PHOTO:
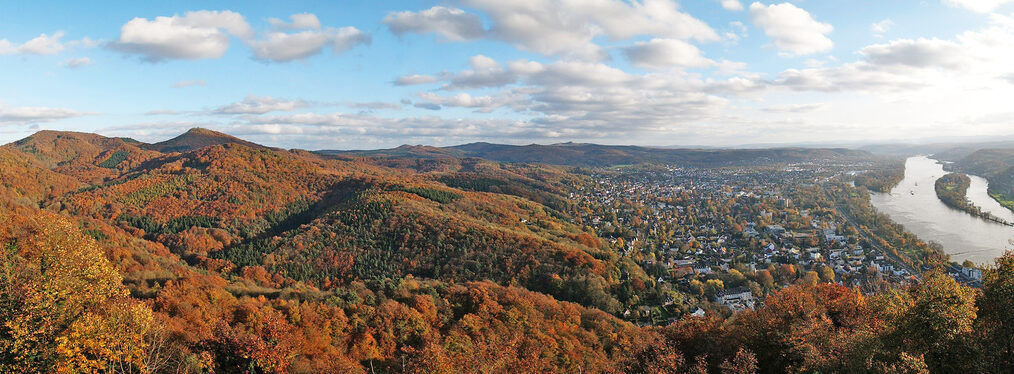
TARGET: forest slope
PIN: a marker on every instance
(237, 258)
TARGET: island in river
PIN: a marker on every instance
(913, 203)
(952, 190)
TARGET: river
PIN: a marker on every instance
(914, 204)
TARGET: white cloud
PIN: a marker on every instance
(414, 79)
(575, 99)
(484, 104)
(32, 115)
(75, 63)
(163, 112)
(731, 5)
(792, 29)
(254, 104)
(85, 42)
(485, 72)
(792, 108)
(307, 39)
(451, 23)
(665, 53)
(427, 106)
(195, 35)
(981, 6)
(916, 53)
(590, 99)
(205, 35)
(880, 28)
(299, 21)
(737, 30)
(346, 38)
(376, 105)
(44, 44)
(565, 28)
(855, 77)
(188, 83)
(972, 61)
(285, 47)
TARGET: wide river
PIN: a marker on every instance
(914, 204)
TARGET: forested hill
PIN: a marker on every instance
(197, 138)
(996, 165)
(595, 155)
(209, 254)
(220, 255)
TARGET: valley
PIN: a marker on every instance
(287, 259)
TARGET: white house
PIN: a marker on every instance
(736, 299)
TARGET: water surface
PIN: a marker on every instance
(914, 204)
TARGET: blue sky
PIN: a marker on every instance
(368, 74)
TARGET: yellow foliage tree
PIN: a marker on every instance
(63, 306)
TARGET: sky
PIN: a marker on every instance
(377, 74)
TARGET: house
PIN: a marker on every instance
(736, 299)
(702, 268)
(774, 229)
(699, 313)
(972, 273)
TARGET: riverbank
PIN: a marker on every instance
(914, 204)
(952, 190)
(1004, 200)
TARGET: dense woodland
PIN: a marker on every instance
(224, 257)
(883, 178)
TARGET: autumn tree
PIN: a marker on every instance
(996, 314)
(63, 307)
(939, 323)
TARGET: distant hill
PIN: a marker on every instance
(997, 166)
(987, 162)
(197, 138)
(940, 151)
(55, 148)
(25, 180)
(596, 155)
(86, 157)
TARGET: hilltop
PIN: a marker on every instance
(197, 138)
(86, 157)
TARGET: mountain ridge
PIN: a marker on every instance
(566, 153)
(197, 138)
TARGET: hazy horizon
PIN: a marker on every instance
(946, 142)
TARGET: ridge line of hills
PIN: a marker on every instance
(570, 154)
(221, 255)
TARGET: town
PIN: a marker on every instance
(720, 239)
